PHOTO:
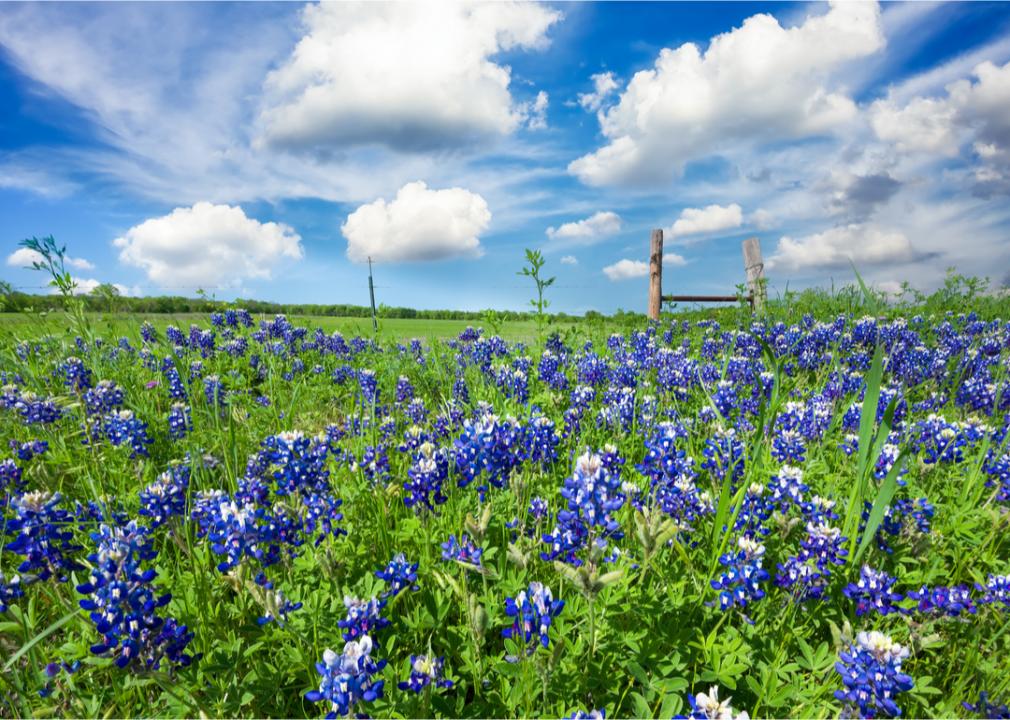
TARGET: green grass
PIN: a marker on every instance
(28, 325)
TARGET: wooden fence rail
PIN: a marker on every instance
(753, 266)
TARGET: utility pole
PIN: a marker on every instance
(371, 293)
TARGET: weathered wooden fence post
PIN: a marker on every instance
(655, 274)
(755, 268)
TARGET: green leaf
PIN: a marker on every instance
(880, 505)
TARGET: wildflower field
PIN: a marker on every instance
(788, 515)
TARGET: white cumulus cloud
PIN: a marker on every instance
(418, 224)
(207, 246)
(410, 76)
(534, 112)
(924, 124)
(859, 243)
(604, 85)
(24, 257)
(758, 82)
(569, 260)
(588, 229)
(626, 269)
(709, 219)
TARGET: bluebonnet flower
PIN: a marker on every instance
(322, 515)
(755, 509)
(819, 510)
(214, 392)
(787, 487)
(943, 600)
(11, 482)
(533, 611)
(123, 603)
(460, 392)
(398, 575)
(593, 494)
(125, 428)
(232, 528)
(464, 551)
(724, 454)
(34, 410)
(374, 465)
(179, 421)
(538, 508)
(165, 498)
(147, 332)
(42, 535)
(76, 375)
(941, 441)
(551, 372)
(348, 679)
(724, 398)
(10, 590)
(31, 449)
(174, 335)
(424, 479)
(888, 456)
(176, 388)
(541, 440)
(103, 398)
(707, 706)
(293, 461)
(513, 382)
(600, 714)
(740, 584)
(618, 410)
(788, 447)
(995, 591)
(416, 411)
(404, 390)
(806, 574)
(998, 471)
(363, 617)
(369, 386)
(566, 540)
(986, 708)
(871, 673)
(488, 448)
(873, 592)
(425, 670)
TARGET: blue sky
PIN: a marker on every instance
(265, 150)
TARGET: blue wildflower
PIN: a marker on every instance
(363, 617)
(740, 584)
(871, 673)
(42, 536)
(873, 592)
(986, 708)
(533, 611)
(123, 603)
(425, 670)
(179, 421)
(464, 551)
(349, 678)
(398, 575)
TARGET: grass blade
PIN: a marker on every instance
(880, 505)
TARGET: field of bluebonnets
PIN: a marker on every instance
(799, 514)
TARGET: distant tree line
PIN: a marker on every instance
(105, 298)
